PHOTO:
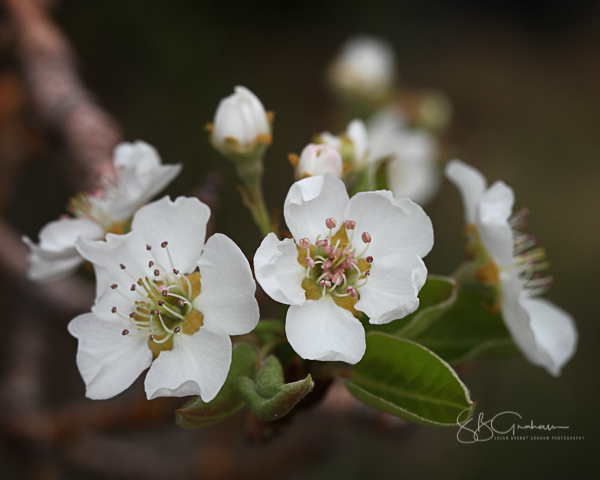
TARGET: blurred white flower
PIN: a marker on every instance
(365, 67)
(319, 159)
(140, 176)
(240, 123)
(545, 334)
(347, 256)
(412, 169)
(154, 308)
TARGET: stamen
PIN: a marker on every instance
(122, 266)
(366, 237)
(114, 285)
(322, 243)
(150, 264)
(113, 309)
(175, 271)
(156, 272)
(330, 223)
(350, 224)
(160, 341)
(310, 262)
(125, 332)
(177, 330)
(133, 287)
(164, 244)
(351, 291)
(148, 247)
(369, 259)
(304, 243)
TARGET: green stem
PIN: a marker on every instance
(252, 173)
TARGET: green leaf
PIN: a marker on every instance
(437, 296)
(269, 397)
(468, 329)
(404, 379)
(196, 413)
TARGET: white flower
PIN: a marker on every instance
(319, 159)
(412, 170)
(357, 138)
(347, 256)
(152, 304)
(365, 66)
(140, 176)
(240, 123)
(544, 333)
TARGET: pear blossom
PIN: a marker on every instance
(365, 67)
(240, 124)
(514, 262)
(412, 170)
(353, 143)
(347, 256)
(140, 176)
(319, 159)
(165, 300)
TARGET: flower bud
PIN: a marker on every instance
(241, 124)
(352, 144)
(365, 68)
(318, 160)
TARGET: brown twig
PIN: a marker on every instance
(58, 96)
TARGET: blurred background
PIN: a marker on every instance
(524, 80)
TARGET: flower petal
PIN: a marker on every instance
(107, 257)
(357, 132)
(519, 322)
(197, 365)
(56, 256)
(182, 223)
(392, 289)
(395, 225)
(471, 184)
(495, 208)
(278, 271)
(554, 330)
(227, 288)
(141, 177)
(108, 361)
(320, 330)
(413, 172)
(310, 202)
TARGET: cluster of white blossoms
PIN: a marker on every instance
(347, 256)
(168, 301)
(140, 176)
(545, 334)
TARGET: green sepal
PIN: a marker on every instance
(436, 297)
(196, 413)
(471, 327)
(270, 398)
(407, 380)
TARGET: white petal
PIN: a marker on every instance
(227, 288)
(197, 365)
(107, 257)
(56, 256)
(357, 132)
(413, 171)
(471, 184)
(278, 271)
(141, 177)
(554, 331)
(108, 361)
(395, 225)
(495, 208)
(518, 321)
(182, 223)
(320, 330)
(392, 289)
(310, 202)
(383, 128)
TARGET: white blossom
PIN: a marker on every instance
(365, 67)
(411, 155)
(347, 256)
(319, 159)
(140, 176)
(240, 122)
(154, 309)
(356, 136)
(545, 334)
